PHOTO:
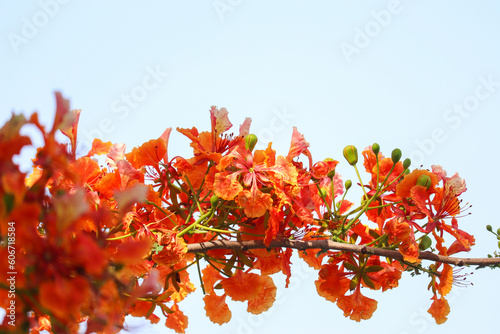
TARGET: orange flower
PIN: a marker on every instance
(148, 154)
(131, 251)
(254, 201)
(243, 286)
(265, 298)
(439, 309)
(216, 308)
(210, 277)
(403, 189)
(299, 146)
(400, 232)
(356, 306)
(173, 251)
(177, 320)
(384, 167)
(332, 283)
(65, 297)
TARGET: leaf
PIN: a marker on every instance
(243, 258)
(372, 269)
(367, 280)
(351, 266)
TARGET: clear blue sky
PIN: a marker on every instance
(422, 76)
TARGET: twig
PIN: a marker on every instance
(329, 244)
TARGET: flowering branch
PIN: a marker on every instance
(329, 244)
(95, 243)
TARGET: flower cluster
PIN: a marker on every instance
(99, 242)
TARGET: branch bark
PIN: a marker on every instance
(329, 244)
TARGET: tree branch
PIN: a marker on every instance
(329, 244)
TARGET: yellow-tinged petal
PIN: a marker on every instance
(445, 280)
(243, 286)
(227, 186)
(265, 298)
(255, 203)
(356, 306)
(177, 320)
(217, 309)
(439, 310)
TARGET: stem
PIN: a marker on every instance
(361, 181)
(161, 209)
(329, 244)
(199, 273)
(195, 224)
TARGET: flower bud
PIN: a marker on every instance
(424, 180)
(348, 184)
(396, 155)
(331, 174)
(376, 148)
(214, 200)
(406, 163)
(425, 242)
(351, 154)
(250, 141)
(489, 228)
(322, 193)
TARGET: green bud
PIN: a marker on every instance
(396, 155)
(406, 163)
(348, 184)
(331, 174)
(250, 141)
(351, 154)
(489, 228)
(322, 192)
(425, 181)
(214, 200)
(376, 148)
(498, 231)
(425, 242)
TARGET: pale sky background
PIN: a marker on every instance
(423, 76)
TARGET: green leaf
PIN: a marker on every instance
(166, 311)
(245, 259)
(367, 280)
(373, 269)
(229, 265)
(151, 309)
(354, 283)
(351, 266)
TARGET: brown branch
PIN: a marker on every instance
(329, 244)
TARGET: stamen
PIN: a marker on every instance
(460, 280)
